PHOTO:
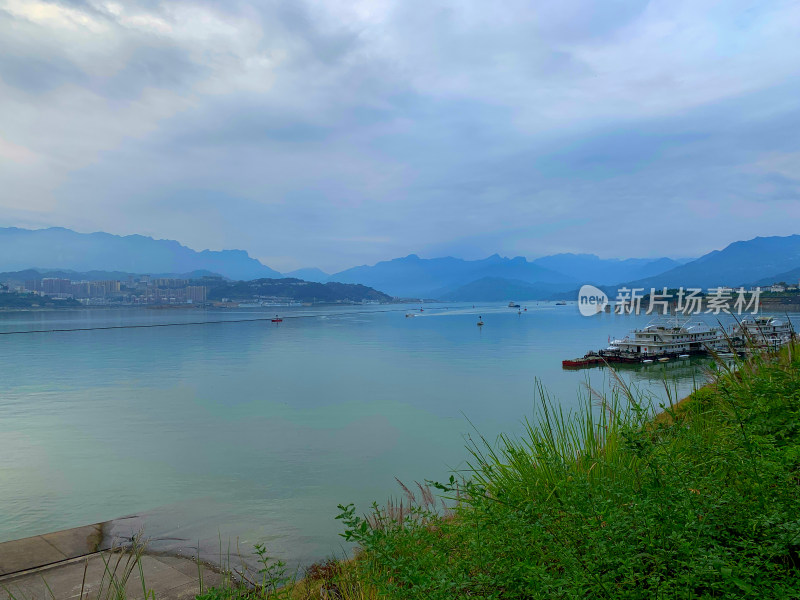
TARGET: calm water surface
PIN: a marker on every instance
(256, 431)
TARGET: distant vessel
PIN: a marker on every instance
(480, 321)
(561, 303)
(512, 305)
(277, 319)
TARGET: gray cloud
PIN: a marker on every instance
(344, 133)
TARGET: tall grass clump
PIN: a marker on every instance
(610, 502)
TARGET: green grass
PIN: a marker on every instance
(610, 502)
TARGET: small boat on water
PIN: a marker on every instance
(647, 360)
(663, 359)
(683, 356)
(589, 360)
(277, 319)
(480, 321)
(410, 315)
(512, 305)
(561, 303)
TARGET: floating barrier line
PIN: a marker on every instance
(151, 325)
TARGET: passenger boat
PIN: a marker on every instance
(513, 305)
(661, 340)
(666, 338)
(764, 331)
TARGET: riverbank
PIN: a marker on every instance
(700, 502)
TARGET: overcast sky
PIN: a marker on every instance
(336, 133)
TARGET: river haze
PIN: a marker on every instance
(256, 431)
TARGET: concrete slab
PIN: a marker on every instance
(67, 564)
(79, 541)
(27, 553)
(165, 576)
(41, 550)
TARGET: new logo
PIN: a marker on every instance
(591, 300)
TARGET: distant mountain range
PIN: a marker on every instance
(58, 248)
(413, 276)
(761, 260)
(588, 268)
(456, 279)
(62, 252)
(36, 274)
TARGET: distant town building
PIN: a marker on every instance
(134, 290)
(196, 293)
(55, 285)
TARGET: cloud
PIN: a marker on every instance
(341, 133)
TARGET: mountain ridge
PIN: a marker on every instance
(739, 263)
(64, 249)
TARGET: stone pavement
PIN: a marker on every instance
(57, 566)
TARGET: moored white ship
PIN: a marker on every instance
(765, 331)
(667, 338)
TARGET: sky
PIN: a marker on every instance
(337, 133)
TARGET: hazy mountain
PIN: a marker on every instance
(57, 248)
(790, 277)
(35, 274)
(309, 274)
(589, 268)
(491, 289)
(739, 263)
(416, 277)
